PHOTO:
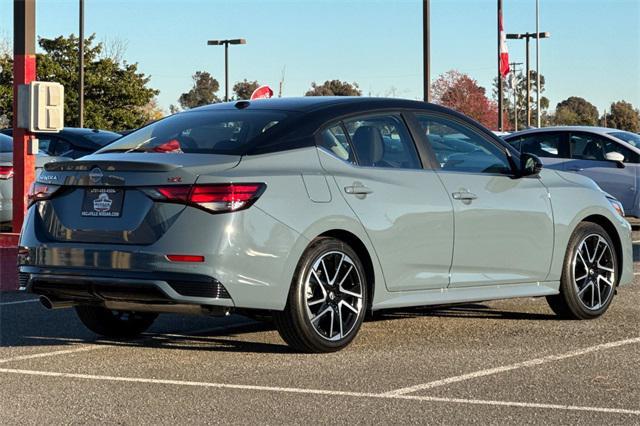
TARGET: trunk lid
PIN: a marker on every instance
(101, 199)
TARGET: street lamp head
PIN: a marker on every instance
(544, 35)
(515, 36)
(231, 41)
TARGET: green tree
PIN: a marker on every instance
(116, 94)
(334, 88)
(203, 91)
(576, 111)
(243, 89)
(516, 87)
(6, 89)
(623, 116)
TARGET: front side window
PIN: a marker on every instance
(382, 141)
(458, 148)
(540, 144)
(202, 132)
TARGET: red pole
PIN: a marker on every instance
(24, 72)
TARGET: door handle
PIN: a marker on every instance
(357, 190)
(464, 196)
(576, 169)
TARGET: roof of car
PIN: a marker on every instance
(310, 103)
(592, 129)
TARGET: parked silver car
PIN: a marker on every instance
(611, 157)
(315, 211)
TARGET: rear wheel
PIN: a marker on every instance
(118, 324)
(327, 301)
(589, 276)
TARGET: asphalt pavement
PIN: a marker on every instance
(500, 362)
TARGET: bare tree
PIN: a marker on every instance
(114, 48)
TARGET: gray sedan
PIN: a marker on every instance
(610, 157)
(315, 211)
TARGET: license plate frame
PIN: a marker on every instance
(102, 203)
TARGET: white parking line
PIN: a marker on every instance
(54, 353)
(17, 302)
(318, 391)
(523, 364)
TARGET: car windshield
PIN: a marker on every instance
(628, 137)
(6, 143)
(201, 132)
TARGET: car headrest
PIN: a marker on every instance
(368, 144)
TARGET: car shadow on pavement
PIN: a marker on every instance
(475, 311)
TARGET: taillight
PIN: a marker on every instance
(6, 172)
(215, 198)
(41, 191)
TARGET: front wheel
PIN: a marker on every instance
(589, 276)
(116, 324)
(327, 301)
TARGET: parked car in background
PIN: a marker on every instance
(72, 142)
(610, 157)
(69, 144)
(314, 211)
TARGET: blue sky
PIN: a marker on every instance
(593, 52)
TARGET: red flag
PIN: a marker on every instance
(262, 92)
(504, 53)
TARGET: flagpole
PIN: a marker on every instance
(499, 75)
(537, 64)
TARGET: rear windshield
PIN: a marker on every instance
(202, 132)
(102, 138)
(6, 143)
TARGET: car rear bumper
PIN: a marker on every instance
(108, 287)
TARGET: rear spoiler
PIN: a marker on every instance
(109, 166)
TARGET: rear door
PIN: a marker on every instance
(588, 158)
(503, 225)
(402, 206)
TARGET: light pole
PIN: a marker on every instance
(226, 44)
(527, 37)
(426, 45)
(537, 64)
(81, 67)
(514, 87)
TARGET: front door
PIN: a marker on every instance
(403, 207)
(503, 225)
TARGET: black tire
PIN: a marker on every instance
(114, 324)
(295, 325)
(570, 303)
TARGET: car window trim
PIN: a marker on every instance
(504, 150)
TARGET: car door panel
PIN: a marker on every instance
(408, 217)
(403, 207)
(504, 234)
(503, 225)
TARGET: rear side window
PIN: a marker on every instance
(202, 132)
(382, 141)
(336, 142)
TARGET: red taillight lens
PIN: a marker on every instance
(185, 258)
(215, 198)
(41, 191)
(6, 172)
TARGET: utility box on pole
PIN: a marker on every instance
(41, 107)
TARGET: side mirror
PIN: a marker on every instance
(530, 165)
(617, 157)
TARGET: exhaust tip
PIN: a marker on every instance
(44, 300)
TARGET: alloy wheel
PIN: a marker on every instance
(594, 272)
(333, 290)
